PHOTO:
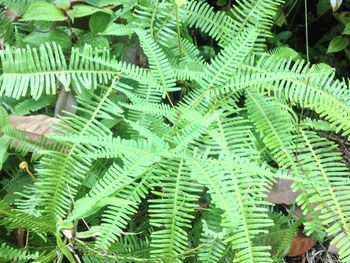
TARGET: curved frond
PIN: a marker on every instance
(329, 185)
(171, 211)
(60, 173)
(212, 247)
(10, 253)
(129, 183)
(239, 194)
(37, 71)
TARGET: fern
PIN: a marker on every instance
(9, 253)
(30, 105)
(40, 69)
(171, 239)
(216, 24)
(213, 247)
(331, 171)
(181, 143)
(52, 191)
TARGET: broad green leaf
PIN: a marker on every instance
(101, 3)
(347, 53)
(43, 11)
(337, 44)
(281, 19)
(284, 35)
(343, 17)
(63, 248)
(64, 4)
(323, 6)
(346, 29)
(81, 10)
(3, 117)
(94, 41)
(3, 151)
(114, 29)
(56, 35)
(98, 22)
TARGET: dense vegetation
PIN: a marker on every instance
(172, 131)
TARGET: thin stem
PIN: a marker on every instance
(306, 32)
(178, 28)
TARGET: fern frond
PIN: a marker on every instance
(128, 182)
(159, 63)
(171, 211)
(17, 6)
(39, 70)
(14, 219)
(239, 194)
(329, 186)
(212, 246)
(220, 69)
(159, 18)
(189, 53)
(277, 125)
(258, 13)
(314, 124)
(117, 215)
(18, 179)
(60, 173)
(217, 25)
(19, 140)
(30, 105)
(233, 135)
(319, 91)
(10, 253)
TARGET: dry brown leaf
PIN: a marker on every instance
(332, 248)
(300, 245)
(33, 126)
(298, 212)
(281, 193)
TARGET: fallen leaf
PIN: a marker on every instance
(281, 193)
(298, 212)
(333, 249)
(333, 246)
(33, 126)
(300, 245)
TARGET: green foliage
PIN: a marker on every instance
(168, 156)
(41, 10)
(8, 253)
